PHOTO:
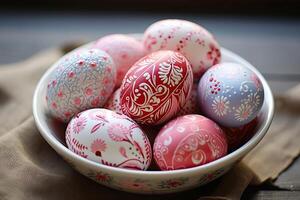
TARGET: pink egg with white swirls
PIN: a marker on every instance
(109, 138)
(123, 49)
(189, 141)
(81, 80)
(191, 40)
(156, 87)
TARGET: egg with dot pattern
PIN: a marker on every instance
(81, 80)
(230, 94)
(190, 39)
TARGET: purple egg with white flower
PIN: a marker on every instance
(230, 94)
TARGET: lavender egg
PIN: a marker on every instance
(81, 80)
(230, 94)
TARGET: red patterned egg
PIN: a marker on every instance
(124, 50)
(156, 87)
(191, 40)
(109, 138)
(113, 103)
(191, 106)
(189, 141)
(237, 136)
(82, 79)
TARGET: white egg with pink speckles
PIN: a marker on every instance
(109, 138)
(82, 79)
(191, 40)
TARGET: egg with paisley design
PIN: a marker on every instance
(156, 87)
(190, 39)
(109, 138)
(189, 141)
(81, 80)
(230, 94)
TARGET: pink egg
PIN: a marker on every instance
(124, 50)
(109, 138)
(156, 87)
(191, 40)
(113, 103)
(83, 79)
(189, 141)
(191, 106)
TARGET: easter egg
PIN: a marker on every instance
(113, 103)
(189, 141)
(109, 138)
(239, 135)
(230, 94)
(123, 49)
(191, 106)
(81, 80)
(191, 40)
(156, 87)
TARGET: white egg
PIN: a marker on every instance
(109, 138)
(191, 40)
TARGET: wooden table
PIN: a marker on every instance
(270, 44)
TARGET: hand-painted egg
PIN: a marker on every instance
(191, 40)
(113, 103)
(191, 106)
(124, 50)
(84, 79)
(239, 135)
(230, 94)
(156, 87)
(189, 141)
(109, 138)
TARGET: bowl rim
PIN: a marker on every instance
(238, 153)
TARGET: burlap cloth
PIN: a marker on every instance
(30, 169)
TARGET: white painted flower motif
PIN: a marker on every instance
(243, 112)
(170, 73)
(253, 99)
(221, 105)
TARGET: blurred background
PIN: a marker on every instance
(265, 32)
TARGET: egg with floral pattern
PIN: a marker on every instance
(230, 94)
(191, 40)
(189, 141)
(123, 49)
(109, 138)
(156, 87)
(81, 80)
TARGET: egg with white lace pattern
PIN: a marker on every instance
(82, 79)
(109, 138)
(230, 94)
(156, 87)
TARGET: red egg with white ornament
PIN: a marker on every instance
(156, 87)
(189, 141)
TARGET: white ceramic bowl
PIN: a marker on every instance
(149, 182)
